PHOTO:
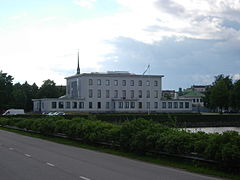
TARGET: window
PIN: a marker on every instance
(90, 105)
(54, 105)
(60, 105)
(90, 82)
(164, 105)
(140, 105)
(186, 105)
(148, 105)
(132, 83)
(81, 105)
(148, 83)
(124, 82)
(139, 83)
(126, 105)
(194, 100)
(99, 82)
(114, 105)
(132, 93)
(124, 94)
(42, 105)
(107, 94)
(99, 93)
(140, 93)
(170, 105)
(99, 105)
(155, 83)
(148, 94)
(107, 82)
(116, 94)
(115, 82)
(155, 105)
(68, 106)
(107, 105)
(156, 94)
(181, 105)
(74, 105)
(120, 105)
(90, 93)
(175, 105)
(132, 105)
(197, 100)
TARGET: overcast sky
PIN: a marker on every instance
(187, 41)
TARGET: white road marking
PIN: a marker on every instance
(82, 177)
(28, 155)
(11, 149)
(50, 164)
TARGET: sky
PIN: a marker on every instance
(188, 41)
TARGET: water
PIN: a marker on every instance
(213, 129)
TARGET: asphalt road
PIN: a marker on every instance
(27, 158)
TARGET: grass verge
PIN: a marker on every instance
(165, 161)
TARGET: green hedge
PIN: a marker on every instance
(139, 136)
(179, 120)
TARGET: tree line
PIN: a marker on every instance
(223, 94)
(20, 95)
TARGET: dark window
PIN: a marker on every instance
(90, 105)
(132, 83)
(140, 105)
(132, 105)
(81, 105)
(186, 105)
(181, 105)
(175, 105)
(139, 83)
(164, 105)
(74, 105)
(60, 105)
(68, 106)
(54, 105)
(99, 105)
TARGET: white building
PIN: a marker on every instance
(114, 91)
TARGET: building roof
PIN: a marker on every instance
(112, 74)
(192, 93)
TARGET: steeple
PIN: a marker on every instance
(78, 68)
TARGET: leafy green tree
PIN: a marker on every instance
(48, 90)
(220, 92)
(235, 96)
(6, 87)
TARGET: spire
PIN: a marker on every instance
(78, 68)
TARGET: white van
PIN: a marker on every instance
(13, 112)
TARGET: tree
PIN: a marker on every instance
(220, 92)
(6, 87)
(48, 90)
(235, 95)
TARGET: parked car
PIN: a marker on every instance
(14, 112)
(55, 113)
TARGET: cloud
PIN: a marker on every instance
(185, 62)
(85, 3)
(171, 7)
(17, 17)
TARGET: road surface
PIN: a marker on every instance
(27, 158)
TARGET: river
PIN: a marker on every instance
(214, 129)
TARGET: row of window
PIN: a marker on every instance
(175, 105)
(123, 95)
(120, 105)
(197, 100)
(124, 82)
